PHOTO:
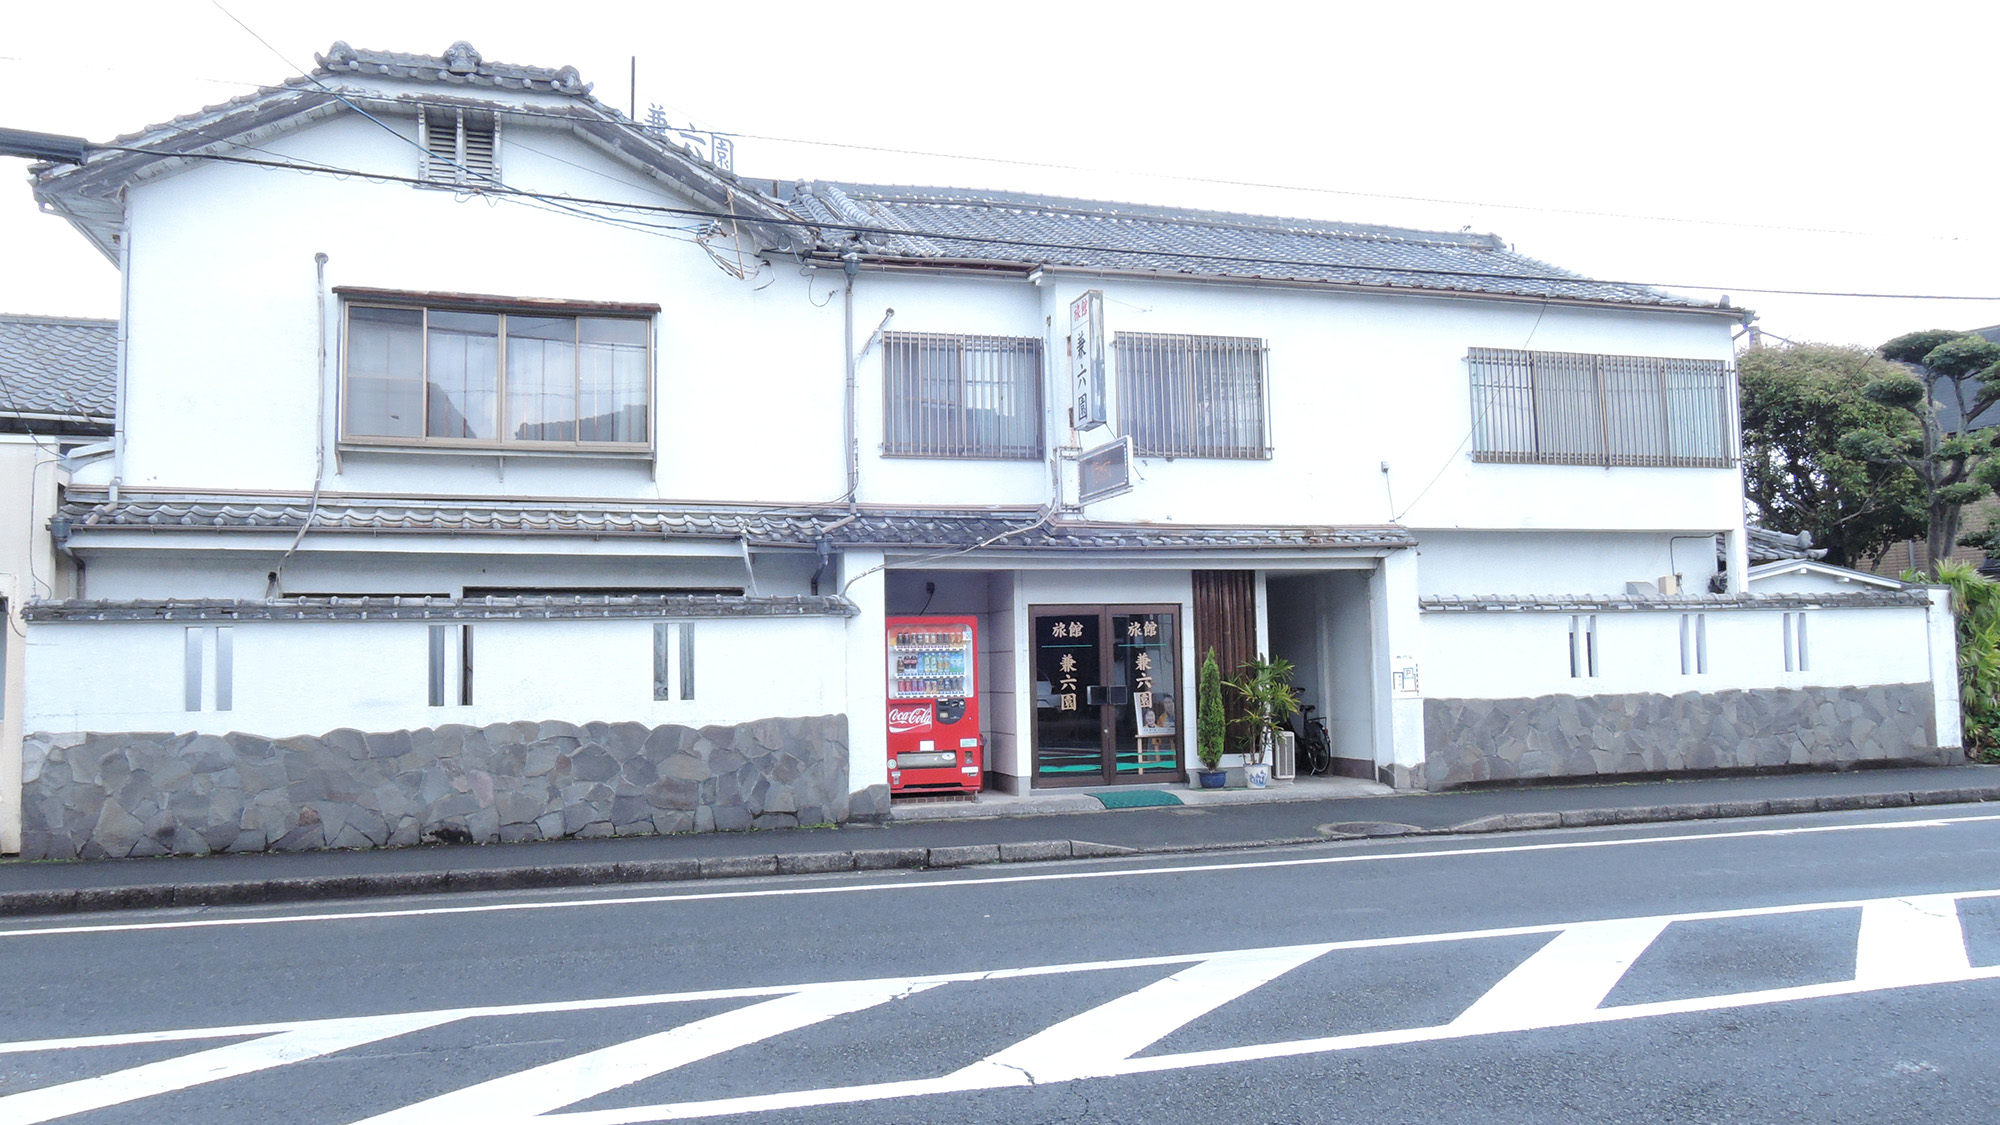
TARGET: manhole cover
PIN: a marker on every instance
(1356, 828)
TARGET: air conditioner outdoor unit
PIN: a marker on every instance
(1285, 764)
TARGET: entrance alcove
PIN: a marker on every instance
(1321, 622)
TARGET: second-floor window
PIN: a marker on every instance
(1191, 396)
(420, 374)
(974, 397)
(1570, 408)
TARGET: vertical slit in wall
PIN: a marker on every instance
(1788, 644)
(1590, 641)
(1687, 664)
(192, 664)
(1804, 665)
(662, 661)
(439, 633)
(1701, 643)
(1575, 649)
(225, 664)
(465, 666)
(687, 660)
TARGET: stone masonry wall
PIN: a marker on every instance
(97, 795)
(1473, 740)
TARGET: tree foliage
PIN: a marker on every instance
(1211, 726)
(1798, 402)
(1952, 468)
(1975, 602)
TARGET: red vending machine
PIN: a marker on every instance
(934, 705)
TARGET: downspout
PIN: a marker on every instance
(272, 588)
(850, 264)
(124, 355)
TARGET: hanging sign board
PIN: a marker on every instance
(1105, 472)
(1086, 360)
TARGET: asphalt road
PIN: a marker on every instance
(1839, 967)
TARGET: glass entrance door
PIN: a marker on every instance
(1107, 694)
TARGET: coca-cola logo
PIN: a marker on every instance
(903, 720)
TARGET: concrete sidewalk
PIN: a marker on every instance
(958, 834)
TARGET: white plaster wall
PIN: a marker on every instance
(1558, 562)
(750, 376)
(293, 678)
(353, 565)
(1515, 655)
(223, 320)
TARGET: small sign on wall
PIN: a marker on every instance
(1403, 678)
(1086, 360)
(1105, 472)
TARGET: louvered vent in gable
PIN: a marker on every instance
(461, 147)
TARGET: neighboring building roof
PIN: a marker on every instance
(1823, 570)
(929, 224)
(91, 510)
(89, 194)
(61, 370)
(1774, 546)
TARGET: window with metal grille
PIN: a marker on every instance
(461, 147)
(1192, 396)
(975, 397)
(1571, 408)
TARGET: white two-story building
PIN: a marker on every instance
(488, 467)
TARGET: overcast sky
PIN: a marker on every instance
(1741, 148)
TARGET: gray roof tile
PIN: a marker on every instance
(66, 366)
(91, 510)
(552, 607)
(1032, 230)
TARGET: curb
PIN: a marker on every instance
(545, 876)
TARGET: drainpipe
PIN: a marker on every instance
(124, 351)
(850, 264)
(272, 588)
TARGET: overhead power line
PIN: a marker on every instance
(570, 204)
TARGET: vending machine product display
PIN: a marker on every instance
(934, 743)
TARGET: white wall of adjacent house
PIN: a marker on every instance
(748, 395)
(1560, 562)
(1507, 655)
(289, 678)
(30, 569)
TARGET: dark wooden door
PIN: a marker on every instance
(1225, 619)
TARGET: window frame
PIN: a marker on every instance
(1566, 409)
(1196, 446)
(1030, 387)
(352, 298)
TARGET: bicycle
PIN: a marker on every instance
(1315, 748)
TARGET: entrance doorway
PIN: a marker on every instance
(1107, 694)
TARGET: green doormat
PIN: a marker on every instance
(1137, 798)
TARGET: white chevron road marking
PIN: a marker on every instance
(1902, 942)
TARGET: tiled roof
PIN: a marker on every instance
(1775, 546)
(1676, 603)
(546, 607)
(91, 510)
(927, 223)
(62, 366)
(88, 194)
(460, 64)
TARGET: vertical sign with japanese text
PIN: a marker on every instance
(1086, 360)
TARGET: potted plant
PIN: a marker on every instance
(1210, 725)
(1265, 687)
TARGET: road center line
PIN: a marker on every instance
(985, 880)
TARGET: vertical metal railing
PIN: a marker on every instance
(1571, 408)
(1193, 396)
(951, 395)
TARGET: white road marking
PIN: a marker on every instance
(304, 1042)
(1567, 978)
(1910, 941)
(976, 881)
(522, 1096)
(1904, 942)
(1094, 1042)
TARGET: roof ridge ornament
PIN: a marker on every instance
(461, 58)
